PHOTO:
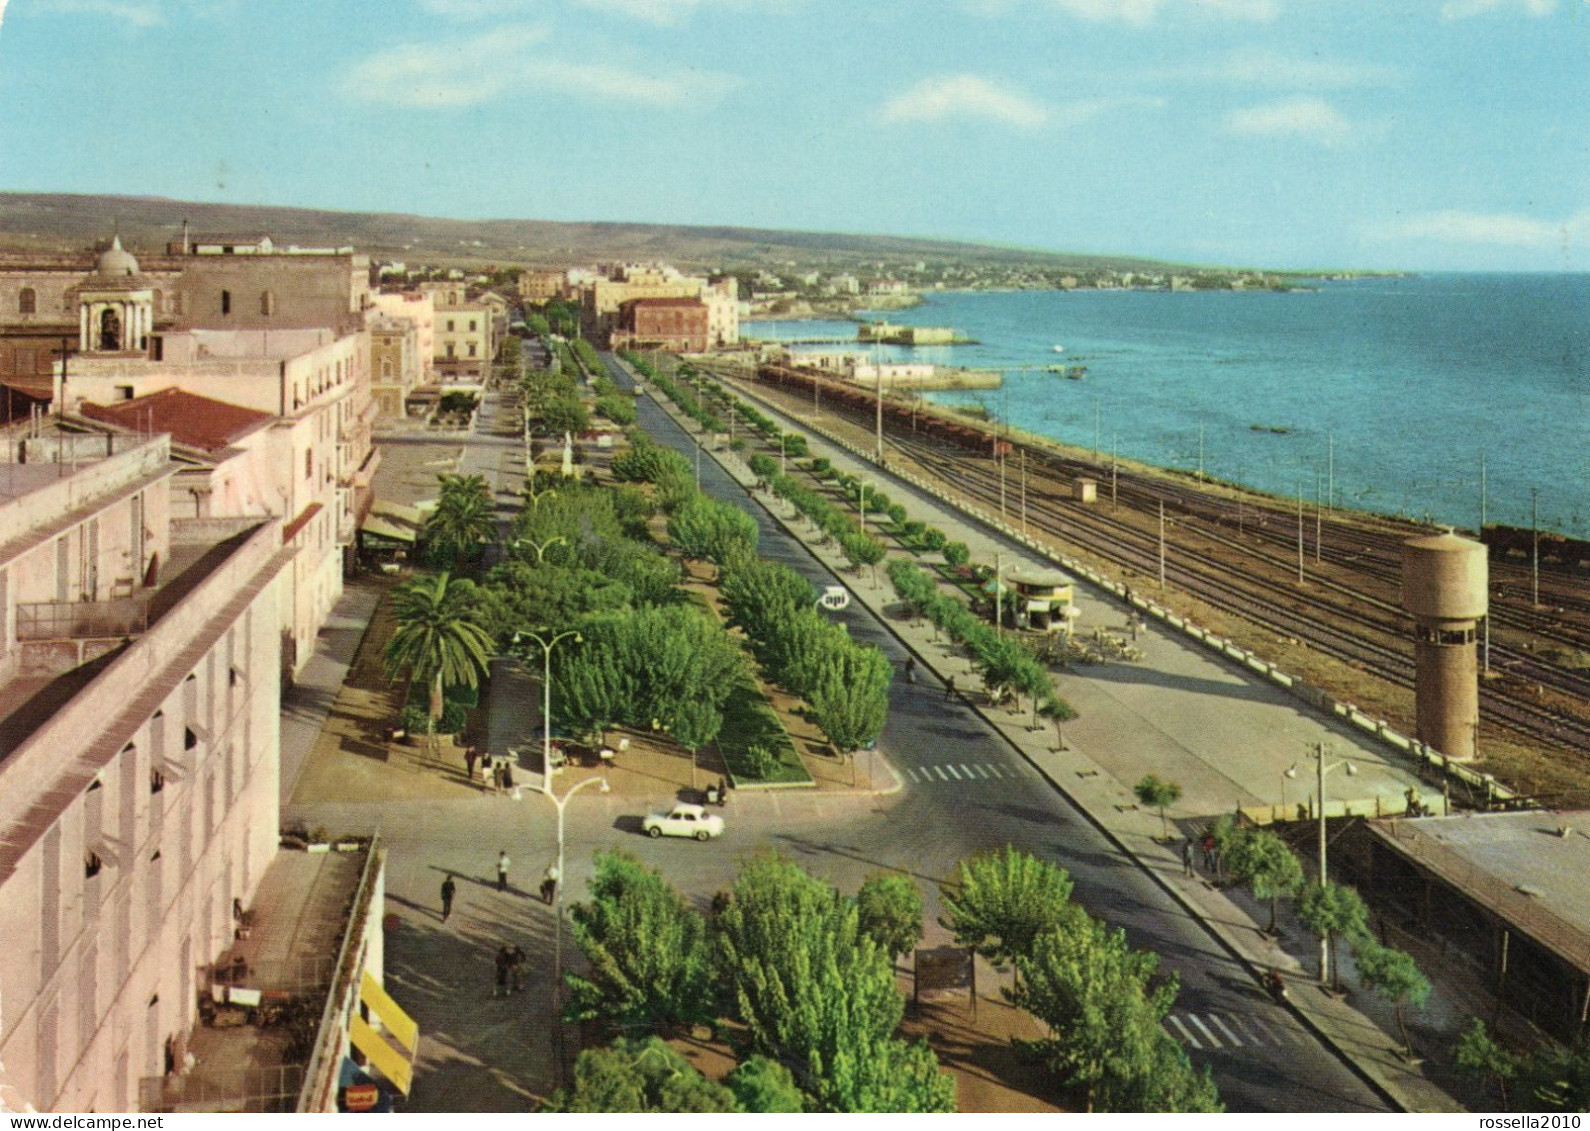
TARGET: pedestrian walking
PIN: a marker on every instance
(1209, 852)
(949, 688)
(1187, 857)
(910, 669)
(449, 888)
(549, 884)
(504, 961)
(502, 870)
(516, 961)
(470, 754)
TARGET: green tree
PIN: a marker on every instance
(646, 951)
(1086, 986)
(439, 639)
(817, 994)
(956, 553)
(1478, 1054)
(1557, 1077)
(765, 1086)
(639, 1076)
(1157, 793)
(1263, 861)
(890, 905)
(564, 414)
(1002, 901)
(591, 689)
(462, 520)
(1332, 912)
(851, 699)
(717, 532)
(1395, 976)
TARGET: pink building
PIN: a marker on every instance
(138, 757)
(314, 468)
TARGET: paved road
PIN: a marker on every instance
(963, 790)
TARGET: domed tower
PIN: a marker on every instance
(115, 305)
(1444, 587)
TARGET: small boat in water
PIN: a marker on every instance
(1058, 348)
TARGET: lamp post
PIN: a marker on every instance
(541, 548)
(1318, 753)
(546, 701)
(557, 899)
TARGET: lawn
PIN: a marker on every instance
(748, 720)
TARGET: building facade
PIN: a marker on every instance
(678, 324)
(137, 808)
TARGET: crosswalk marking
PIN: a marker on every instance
(1224, 1028)
(968, 772)
(1186, 1037)
(1214, 1041)
(1239, 1031)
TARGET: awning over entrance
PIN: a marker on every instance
(393, 521)
(391, 1053)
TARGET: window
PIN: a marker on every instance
(28, 301)
(267, 303)
(226, 302)
(309, 463)
(471, 325)
(449, 325)
(471, 349)
(449, 351)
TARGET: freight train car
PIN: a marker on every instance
(1504, 540)
(898, 417)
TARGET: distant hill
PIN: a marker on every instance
(66, 222)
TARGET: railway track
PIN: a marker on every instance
(1349, 608)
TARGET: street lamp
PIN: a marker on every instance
(1321, 769)
(546, 700)
(541, 548)
(557, 911)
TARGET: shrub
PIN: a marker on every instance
(956, 553)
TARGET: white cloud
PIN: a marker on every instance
(1466, 9)
(1258, 66)
(1312, 119)
(457, 73)
(138, 13)
(467, 72)
(1491, 229)
(1140, 13)
(964, 96)
(670, 12)
(474, 9)
(1084, 110)
(606, 82)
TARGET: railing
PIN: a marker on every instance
(250, 1089)
(83, 620)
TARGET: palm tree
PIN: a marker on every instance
(439, 638)
(462, 519)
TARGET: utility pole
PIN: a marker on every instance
(1317, 519)
(1534, 527)
(1162, 543)
(1300, 532)
(1330, 471)
(1023, 492)
(1001, 486)
(1200, 453)
(878, 366)
(1114, 499)
(1098, 421)
(1482, 495)
(999, 585)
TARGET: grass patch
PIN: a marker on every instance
(749, 721)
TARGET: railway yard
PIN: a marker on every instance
(1312, 589)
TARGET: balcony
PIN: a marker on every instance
(83, 620)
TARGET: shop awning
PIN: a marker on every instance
(393, 521)
(392, 1052)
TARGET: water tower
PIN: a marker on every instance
(1444, 588)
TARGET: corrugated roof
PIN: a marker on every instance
(192, 420)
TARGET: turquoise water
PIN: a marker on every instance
(1390, 390)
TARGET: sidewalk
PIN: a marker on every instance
(1095, 774)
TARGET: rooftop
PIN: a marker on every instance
(192, 420)
(1530, 868)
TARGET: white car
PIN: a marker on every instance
(684, 820)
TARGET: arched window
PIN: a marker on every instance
(267, 303)
(28, 301)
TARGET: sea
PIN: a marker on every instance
(1429, 396)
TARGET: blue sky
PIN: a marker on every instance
(1419, 134)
